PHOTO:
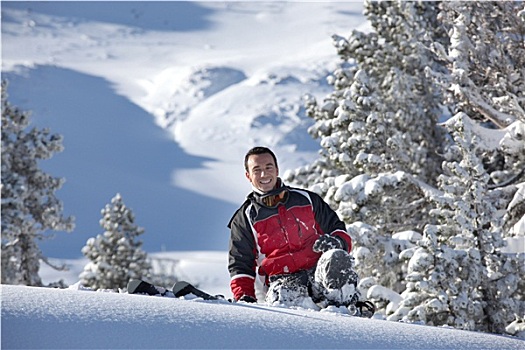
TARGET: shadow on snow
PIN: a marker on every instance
(146, 15)
(113, 146)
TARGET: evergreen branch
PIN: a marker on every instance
(474, 98)
(62, 267)
(509, 181)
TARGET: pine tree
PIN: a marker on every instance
(116, 255)
(377, 130)
(485, 59)
(395, 57)
(29, 204)
(459, 275)
(485, 79)
(381, 155)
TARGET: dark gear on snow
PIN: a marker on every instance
(335, 274)
(327, 242)
(332, 282)
(247, 299)
(289, 288)
(365, 309)
(335, 270)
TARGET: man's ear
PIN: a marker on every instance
(247, 174)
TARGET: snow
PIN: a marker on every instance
(409, 236)
(378, 292)
(159, 101)
(80, 318)
(506, 138)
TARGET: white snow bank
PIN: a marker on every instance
(66, 319)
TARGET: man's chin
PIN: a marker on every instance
(265, 189)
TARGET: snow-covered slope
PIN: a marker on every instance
(74, 319)
(159, 101)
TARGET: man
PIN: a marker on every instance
(292, 239)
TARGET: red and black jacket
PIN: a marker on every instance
(278, 239)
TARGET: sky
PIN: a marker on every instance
(159, 101)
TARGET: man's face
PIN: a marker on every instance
(262, 172)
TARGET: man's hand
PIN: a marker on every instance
(327, 242)
(247, 299)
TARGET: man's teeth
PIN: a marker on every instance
(265, 182)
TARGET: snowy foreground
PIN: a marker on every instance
(71, 319)
(78, 318)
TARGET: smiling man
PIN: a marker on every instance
(262, 171)
(292, 240)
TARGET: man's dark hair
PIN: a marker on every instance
(259, 150)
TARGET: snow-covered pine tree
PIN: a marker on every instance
(459, 276)
(473, 284)
(29, 205)
(116, 255)
(485, 59)
(485, 79)
(377, 130)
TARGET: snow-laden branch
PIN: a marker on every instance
(61, 267)
(471, 94)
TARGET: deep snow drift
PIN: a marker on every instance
(79, 318)
(74, 319)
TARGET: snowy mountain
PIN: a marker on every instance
(159, 101)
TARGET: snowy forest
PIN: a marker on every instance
(423, 139)
(422, 154)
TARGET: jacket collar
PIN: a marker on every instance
(272, 198)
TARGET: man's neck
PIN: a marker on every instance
(262, 193)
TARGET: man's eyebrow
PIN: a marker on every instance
(267, 164)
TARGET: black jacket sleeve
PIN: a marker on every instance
(243, 251)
